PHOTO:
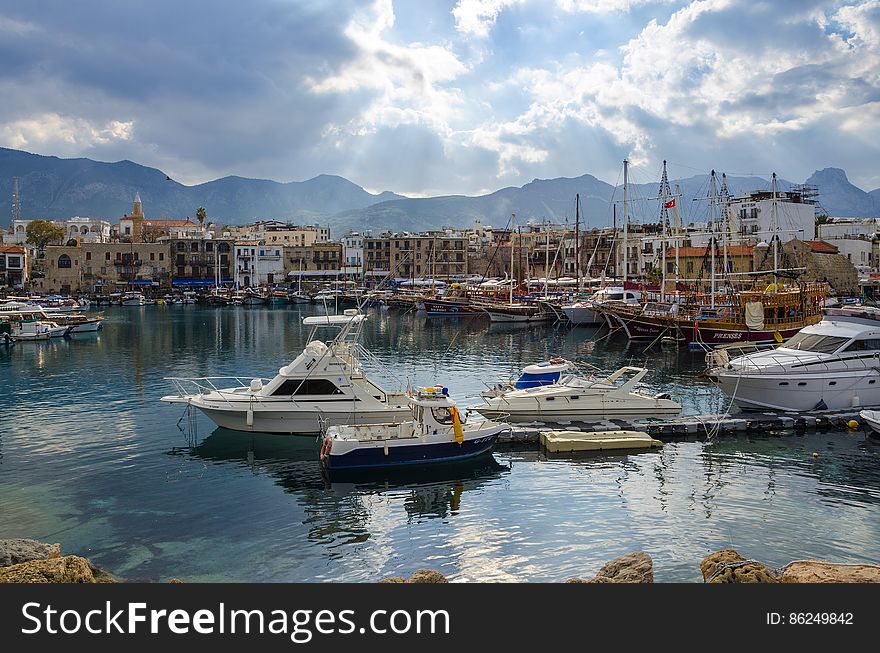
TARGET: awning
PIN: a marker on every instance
(199, 283)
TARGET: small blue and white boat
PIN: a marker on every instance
(532, 376)
(437, 433)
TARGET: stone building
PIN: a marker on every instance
(318, 257)
(822, 262)
(442, 255)
(105, 268)
(201, 261)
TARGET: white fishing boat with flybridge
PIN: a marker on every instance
(325, 385)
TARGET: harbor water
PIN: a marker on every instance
(90, 458)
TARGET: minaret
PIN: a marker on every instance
(137, 220)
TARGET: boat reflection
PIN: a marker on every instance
(431, 490)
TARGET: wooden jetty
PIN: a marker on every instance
(696, 426)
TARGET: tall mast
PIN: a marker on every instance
(625, 221)
(664, 219)
(512, 231)
(676, 220)
(775, 237)
(546, 262)
(713, 195)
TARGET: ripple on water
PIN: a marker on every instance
(90, 458)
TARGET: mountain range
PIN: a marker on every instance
(55, 188)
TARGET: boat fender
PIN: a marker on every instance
(853, 424)
(326, 448)
(250, 417)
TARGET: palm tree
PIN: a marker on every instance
(201, 215)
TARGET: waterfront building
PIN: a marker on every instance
(353, 253)
(323, 257)
(441, 254)
(200, 260)
(13, 266)
(104, 268)
(257, 264)
(274, 232)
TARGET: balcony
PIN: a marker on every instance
(127, 263)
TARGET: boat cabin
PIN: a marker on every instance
(542, 373)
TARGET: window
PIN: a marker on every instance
(209, 247)
(194, 247)
(88, 256)
(64, 261)
(815, 343)
(307, 387)
(152, 256)
(871, 344)
(106, 256)
(128, 231)
(161, 256)
(181, 247)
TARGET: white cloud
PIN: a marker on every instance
(606, 6)
(65, 134)
(686, 74)
(477, 17)
(408, 81)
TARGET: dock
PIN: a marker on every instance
(695, 426)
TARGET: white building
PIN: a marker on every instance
(848, 227)
(87, 230)
(752, 220)
(258, 265)
(353, 252)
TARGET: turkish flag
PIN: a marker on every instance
(670, 203)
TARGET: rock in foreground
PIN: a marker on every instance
(419, 576)
(632, 568)
(728, 566)
(14, 552)
(819, 571)
(69, 569)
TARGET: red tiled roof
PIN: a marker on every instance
(170, 223)
(11, 249)
(821, 247)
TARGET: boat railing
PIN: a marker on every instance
(188, 386)
(361, 353)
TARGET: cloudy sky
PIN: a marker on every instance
(427, 97)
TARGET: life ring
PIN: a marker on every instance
(326, 446)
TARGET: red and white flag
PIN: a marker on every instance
(670, 203)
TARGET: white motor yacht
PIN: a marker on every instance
(582, 313)
(831, 365)
(38, 330)
(133, 298)
(573, 397)
(324, 385)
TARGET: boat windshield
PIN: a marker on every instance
(815, 343)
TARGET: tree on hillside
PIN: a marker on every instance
(42, 232)
(201, 215)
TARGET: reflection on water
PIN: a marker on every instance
(90, 458)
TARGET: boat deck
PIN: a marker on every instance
(696, 426)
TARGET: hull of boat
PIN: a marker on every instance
(411, 452)
(302, 421)
(834, 390)
(435, 308)
(253, 301)
(516, 316)
(86, 327)
(609, 409)
(647, 328)
(582, 316)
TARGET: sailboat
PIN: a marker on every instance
(517, 311)
(767, 315)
